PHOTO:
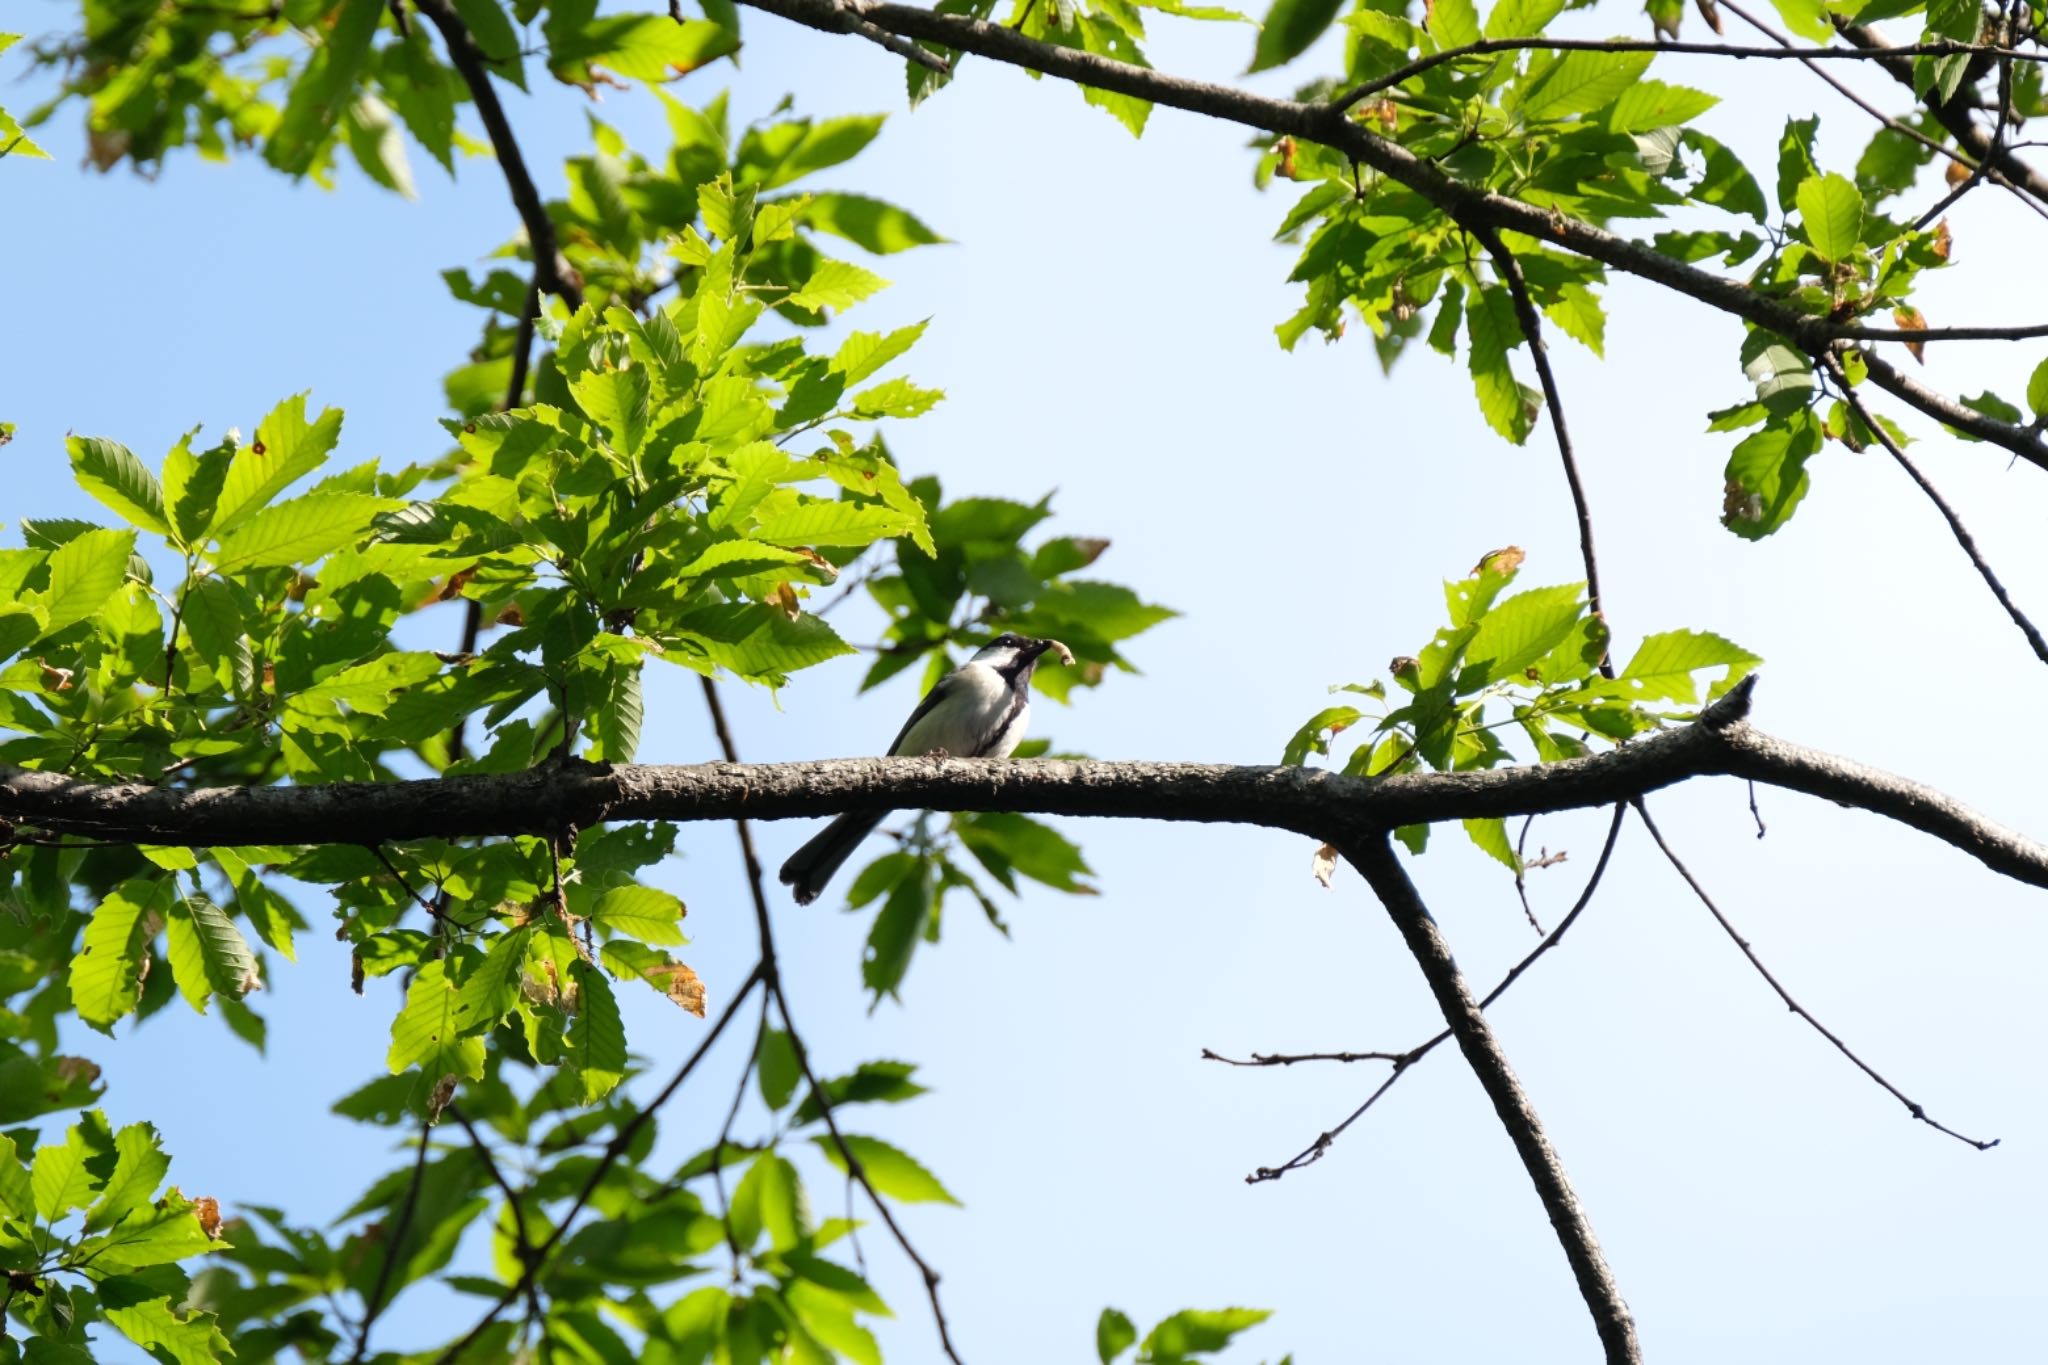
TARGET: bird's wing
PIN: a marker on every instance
(942, 689)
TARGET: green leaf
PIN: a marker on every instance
(893, 938)
(371, 687)
(1663, 665)
(139, 1167)
(673, 979)
(1290, 28)
(868, 1083)
(286, 449)
(834, 523)
(106, 974)
(865, 353)
(775, 1067)
(645, 913)
(207, 953)
(60, 1178)
(596, 1043)
(1453, 23)
(1831, 209)
(84, 573)
(1114, 1334)
(1491, 329)
(1197, 1330)
(2037, 390)
(301, 531)
(1767, 476)
(1309, 738)
(1491, 837)
(836, 284)
(1003, 840)
(143, 1314)
(869, 223)
(893, 1172)
(645, 47)
(110, 472)
(1521, 18)
(1518, 632)
(1795, 159)
(1652, 104)
(1724, 181)
(1580, 82)
(755, 641)
(322, 90)
(428, 1031)
(617, 400)
(490, 991)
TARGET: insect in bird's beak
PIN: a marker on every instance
(1055, 647)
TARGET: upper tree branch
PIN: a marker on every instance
(1303, 800)
(550, 271)
(1467, 204)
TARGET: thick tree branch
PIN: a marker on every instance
(1469, 205)
(1373, 855)
(550, 271)
(1302, 800)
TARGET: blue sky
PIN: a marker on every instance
(1102, 325)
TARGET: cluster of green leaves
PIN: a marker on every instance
(303, 79)
(1529, 662)
(1179, 1339)
(1588, 133)
(681, 472)
(85, 1238)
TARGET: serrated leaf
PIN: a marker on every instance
(834, 523)
(287, 448)
(896, 398)
(1521, 18)
(428, 1031)
(673, 979)
(1491, 330)
(1831, 209)
(1520, 630)
(491, 989)
(646, 913)
(893, 1172)
(617, 400)
(836, 284)
(301, 531)
(140, 1165)
(2037, 390)
(207, 953)
(111, 472)
(106, 973)
(1196, 1330)
(59, 1178)
(1652, 104)
(1114, 1334)
(1491, 838)
(1663, 665)
(864, 353)
(84, 572)
(1581, 82)
(596, 1042)
(145, 1316)
(1453, 23)
(868, 223)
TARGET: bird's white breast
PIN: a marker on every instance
(976, 704)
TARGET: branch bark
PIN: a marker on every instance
(1306, 801)
(1468, 205)
(1374, 857)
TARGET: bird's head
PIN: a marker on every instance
(1011, 655)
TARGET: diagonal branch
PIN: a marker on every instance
(1373, 855)
(1469, 205)
(550, 271)
(1956, 528)
(1912, 1106)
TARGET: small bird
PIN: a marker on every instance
(979, 710)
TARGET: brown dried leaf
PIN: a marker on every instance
(444, 1091)
(511, 616)
(1710, 12)
(1739, 504)
(207, 1210)
(676, 981)
(1286, 149)
(56, 679)
(1942, 240)
(1505, 560)
(785, 600)
(70, 1069)
(1911, 320)
(1324, 864)
(1956, 173)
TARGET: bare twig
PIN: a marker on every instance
(1290, 1058)
(1913, 1107)
(373, 1306)
(522, 1239)
(1315, 1151)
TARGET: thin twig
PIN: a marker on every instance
(1290, 1058)
(1960, 532)
(1913, 1107)
(1521, 877)
(1314, 1152)
(374, 1305)
(433, 911)
(772, 975)
(522, 1238)
(1532, 331)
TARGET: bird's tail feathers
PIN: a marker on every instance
(813, 865)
